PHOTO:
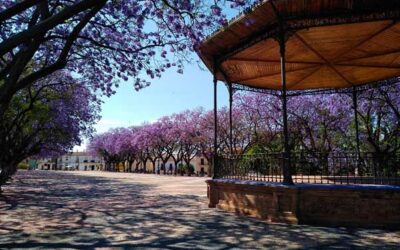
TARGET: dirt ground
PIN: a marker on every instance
(80, 210)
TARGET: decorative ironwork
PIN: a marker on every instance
(314, 168)
(360, 88)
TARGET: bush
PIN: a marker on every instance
(190, 169)
(186, 169)
(23, 165)
(257, 160)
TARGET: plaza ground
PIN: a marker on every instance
(44, 209)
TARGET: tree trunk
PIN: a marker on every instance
(6, 171)
(144, 165)
(154, 166)
(165, 167)
(176, 166)
(187, 162)
(137, 167)
(130, 165)
(107, 166)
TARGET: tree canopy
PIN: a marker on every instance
(48, 118)
(101, 40)
(79, 48)
(320, 124)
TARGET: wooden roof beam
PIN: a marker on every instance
(272, 61)
(376, 55)
(303, 79)
(273, 74)
(375, 34)
(368, 65)
(328, 63)
(316, 63)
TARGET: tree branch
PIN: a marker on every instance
(17, 8)
(49, 23)
(62, 60)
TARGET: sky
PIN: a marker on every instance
(172, 93)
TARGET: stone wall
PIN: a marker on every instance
(329, 205)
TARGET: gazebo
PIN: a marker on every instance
(293, 47)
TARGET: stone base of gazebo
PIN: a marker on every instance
(328, 205)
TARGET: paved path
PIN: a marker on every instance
(116, 210)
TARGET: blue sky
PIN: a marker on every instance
(172, 93)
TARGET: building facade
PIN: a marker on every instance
(72, 161)
(83, 161)
(200, 166)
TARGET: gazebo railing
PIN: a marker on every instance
(314, 168)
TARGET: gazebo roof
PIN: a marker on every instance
(331, 44)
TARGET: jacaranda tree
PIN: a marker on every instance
(380, 120)
(101, 40)
(48, 118)
(319, 125)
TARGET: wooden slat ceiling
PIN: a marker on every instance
(331, 56)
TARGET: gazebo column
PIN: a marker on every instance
(215, 157)
(231, 164)
(355, 108)
(287, 177)
(230, 89)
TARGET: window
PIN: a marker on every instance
(202, 161)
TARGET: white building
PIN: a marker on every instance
(85, 162)
(72, 161)
(47, 164)
(199, 163)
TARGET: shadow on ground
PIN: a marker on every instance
(60, 210)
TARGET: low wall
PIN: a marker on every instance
(328, 205)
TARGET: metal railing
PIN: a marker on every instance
(314, 168)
